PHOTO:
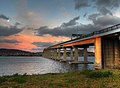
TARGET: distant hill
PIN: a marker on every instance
(15, 52)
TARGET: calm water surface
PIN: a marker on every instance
(37, 65)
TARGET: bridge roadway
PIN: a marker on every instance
(106, 44)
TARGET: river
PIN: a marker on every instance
(37, 65)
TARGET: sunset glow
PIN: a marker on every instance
(33, 25)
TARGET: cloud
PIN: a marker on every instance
(66, 29)
(7, 31)
(4, 17)
(105, 6)
(85, 15)
(106, 20)
(98, 22)
(71, 22)
(107, 3)
(43, 44)
(105, 11)
(79, 4)
(8, 41)
(27, 16)
(93, 16)
(6, 28)
(37, 49)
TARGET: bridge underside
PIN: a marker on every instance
(107, 51)
(111, 51)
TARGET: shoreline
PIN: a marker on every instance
(83, 79)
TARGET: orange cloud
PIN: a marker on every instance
(27, 40)
(32, 38)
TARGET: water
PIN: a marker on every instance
(37, 65)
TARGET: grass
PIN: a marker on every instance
(83, 79)
(2, 79)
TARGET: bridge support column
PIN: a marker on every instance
(116, 53)
(64, 54)
(47, 54)
(55, 54)
(75, 55)
(58, 54)
(85, 54)
(98, 55)
(71, 53)
(52, 54)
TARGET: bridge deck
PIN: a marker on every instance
(103, 32)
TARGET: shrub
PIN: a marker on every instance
(2, 79)
(85, 72)
(99, 74)
(19, 79)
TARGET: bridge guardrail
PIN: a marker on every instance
(95, 33)
(101, 31)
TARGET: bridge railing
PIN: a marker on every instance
(94, 33)
(101, 31)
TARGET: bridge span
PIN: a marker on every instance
(106, 44)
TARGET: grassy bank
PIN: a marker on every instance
(83, 79)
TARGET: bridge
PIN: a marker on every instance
(106, 44)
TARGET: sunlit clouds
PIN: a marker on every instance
(33, 25)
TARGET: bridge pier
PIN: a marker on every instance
(85, 54)
(64, 54)
(98, 55)
(55, 54)
(111, 50)
(71, 53)
(116, 54)
(59, 56)
(105, 41)
(75, 54)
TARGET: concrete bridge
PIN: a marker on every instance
(106, 44)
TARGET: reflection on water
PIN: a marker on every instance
(38, 65)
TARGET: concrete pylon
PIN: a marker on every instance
(52, 54)
(75, 54)
(71, 53)
(116, 54)
(98, 54)
(59, 54)
(85, 54)
(64, 54)
(55, 54)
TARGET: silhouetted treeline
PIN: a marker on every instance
(15, 52)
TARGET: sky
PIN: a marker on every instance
(33, 25)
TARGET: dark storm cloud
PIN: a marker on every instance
(85, 15)
(17, 24)
(7, 31)
(79, 4)
(4, 17)
(105, 11)
(98, 22)
(66, 29)
(42, 44)
(107, 20)
(107, 3)
(9, 41)
(101, 19)
(105, 6)
(93, 16)
(71, 22)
